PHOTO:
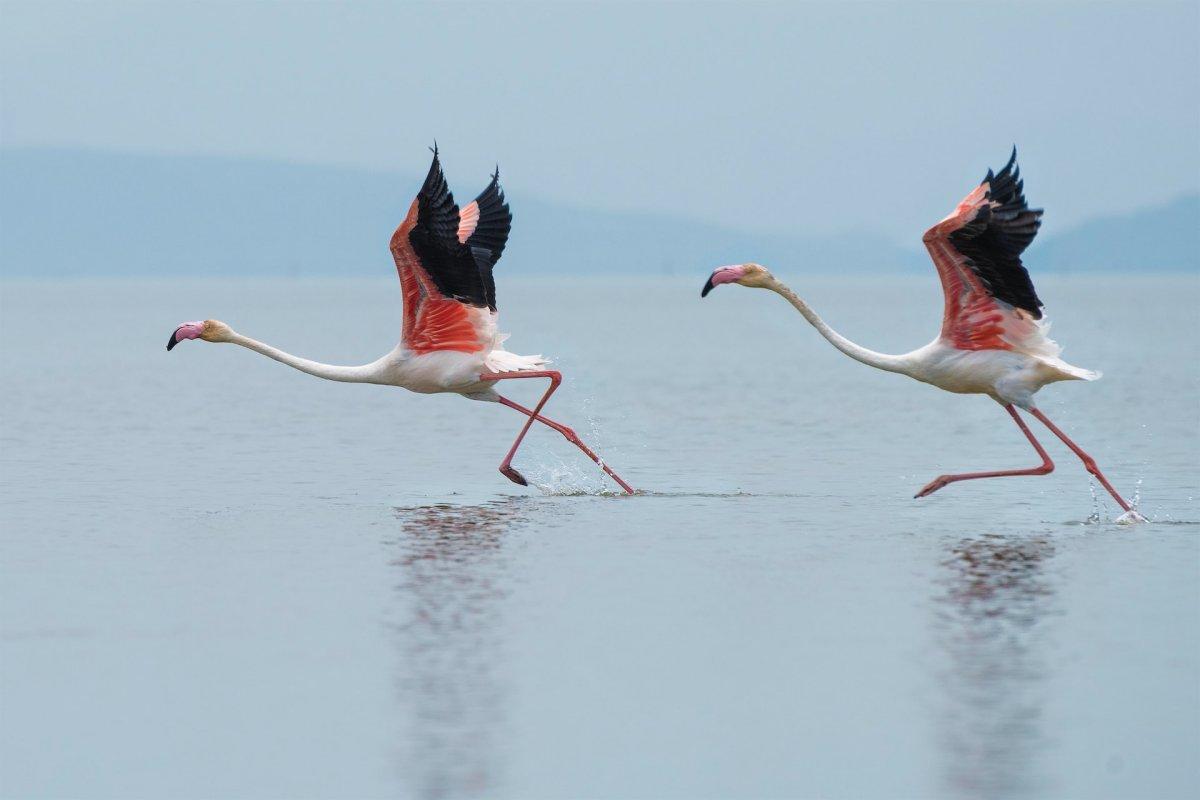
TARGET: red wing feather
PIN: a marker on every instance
(444, 257)
(972, 319)
(431, 321)
(444, 324)
(990, 300)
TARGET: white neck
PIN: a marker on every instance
(331, 372)
(858, 353)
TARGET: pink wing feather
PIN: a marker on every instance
(468, 218)
(990, 301)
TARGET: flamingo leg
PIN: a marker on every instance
(506, 467)
(1046, 467)
(571, 437)
(1088, 462)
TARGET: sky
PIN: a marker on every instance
(810, 118)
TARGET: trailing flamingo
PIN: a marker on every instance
(449, 341)
(993, 339)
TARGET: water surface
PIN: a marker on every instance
(224, 578)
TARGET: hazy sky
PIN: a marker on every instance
(811, 117)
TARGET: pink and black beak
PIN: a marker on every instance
(188, 330)
(722, 275)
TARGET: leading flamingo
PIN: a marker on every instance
(449, 341)
(993, 339)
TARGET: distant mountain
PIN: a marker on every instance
(87, 213)
(1164, 237)
(69, 212)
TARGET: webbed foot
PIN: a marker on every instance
(509, 472)
(933, 486)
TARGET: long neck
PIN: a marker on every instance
(331, 372)
(857, 352)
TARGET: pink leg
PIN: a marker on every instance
(506, 467)
(571, 437)
(1088, 463)
(1045, 469)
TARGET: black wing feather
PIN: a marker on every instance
(993, 242)
(490, 236)
(450, 264)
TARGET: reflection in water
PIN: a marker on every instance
(991, 619)
(454, 570)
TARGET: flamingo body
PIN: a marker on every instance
(1007, 376)
(994, 338)
(449, 341)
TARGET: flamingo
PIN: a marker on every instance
(993, 339)
(449, 341)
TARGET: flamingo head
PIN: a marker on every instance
(210, 330)
(753, 275)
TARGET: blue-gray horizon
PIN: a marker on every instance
(883, 111)
(136, 213)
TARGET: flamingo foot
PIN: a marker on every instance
(509, 472)
(1131, 517)
(931, 487)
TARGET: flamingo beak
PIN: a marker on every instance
(188, 330)
(722, 275)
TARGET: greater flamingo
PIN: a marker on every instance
(449, 341)
(993, 339)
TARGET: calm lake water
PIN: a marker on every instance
(223, 578)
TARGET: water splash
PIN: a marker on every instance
(569, 479)
(1097, 516)
(574, 475)
(595, 433)
(596, 439)
(1133, 516)
(1100, 513)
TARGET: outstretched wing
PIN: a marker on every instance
(990, 300)
(483, 226)
(446, 299)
